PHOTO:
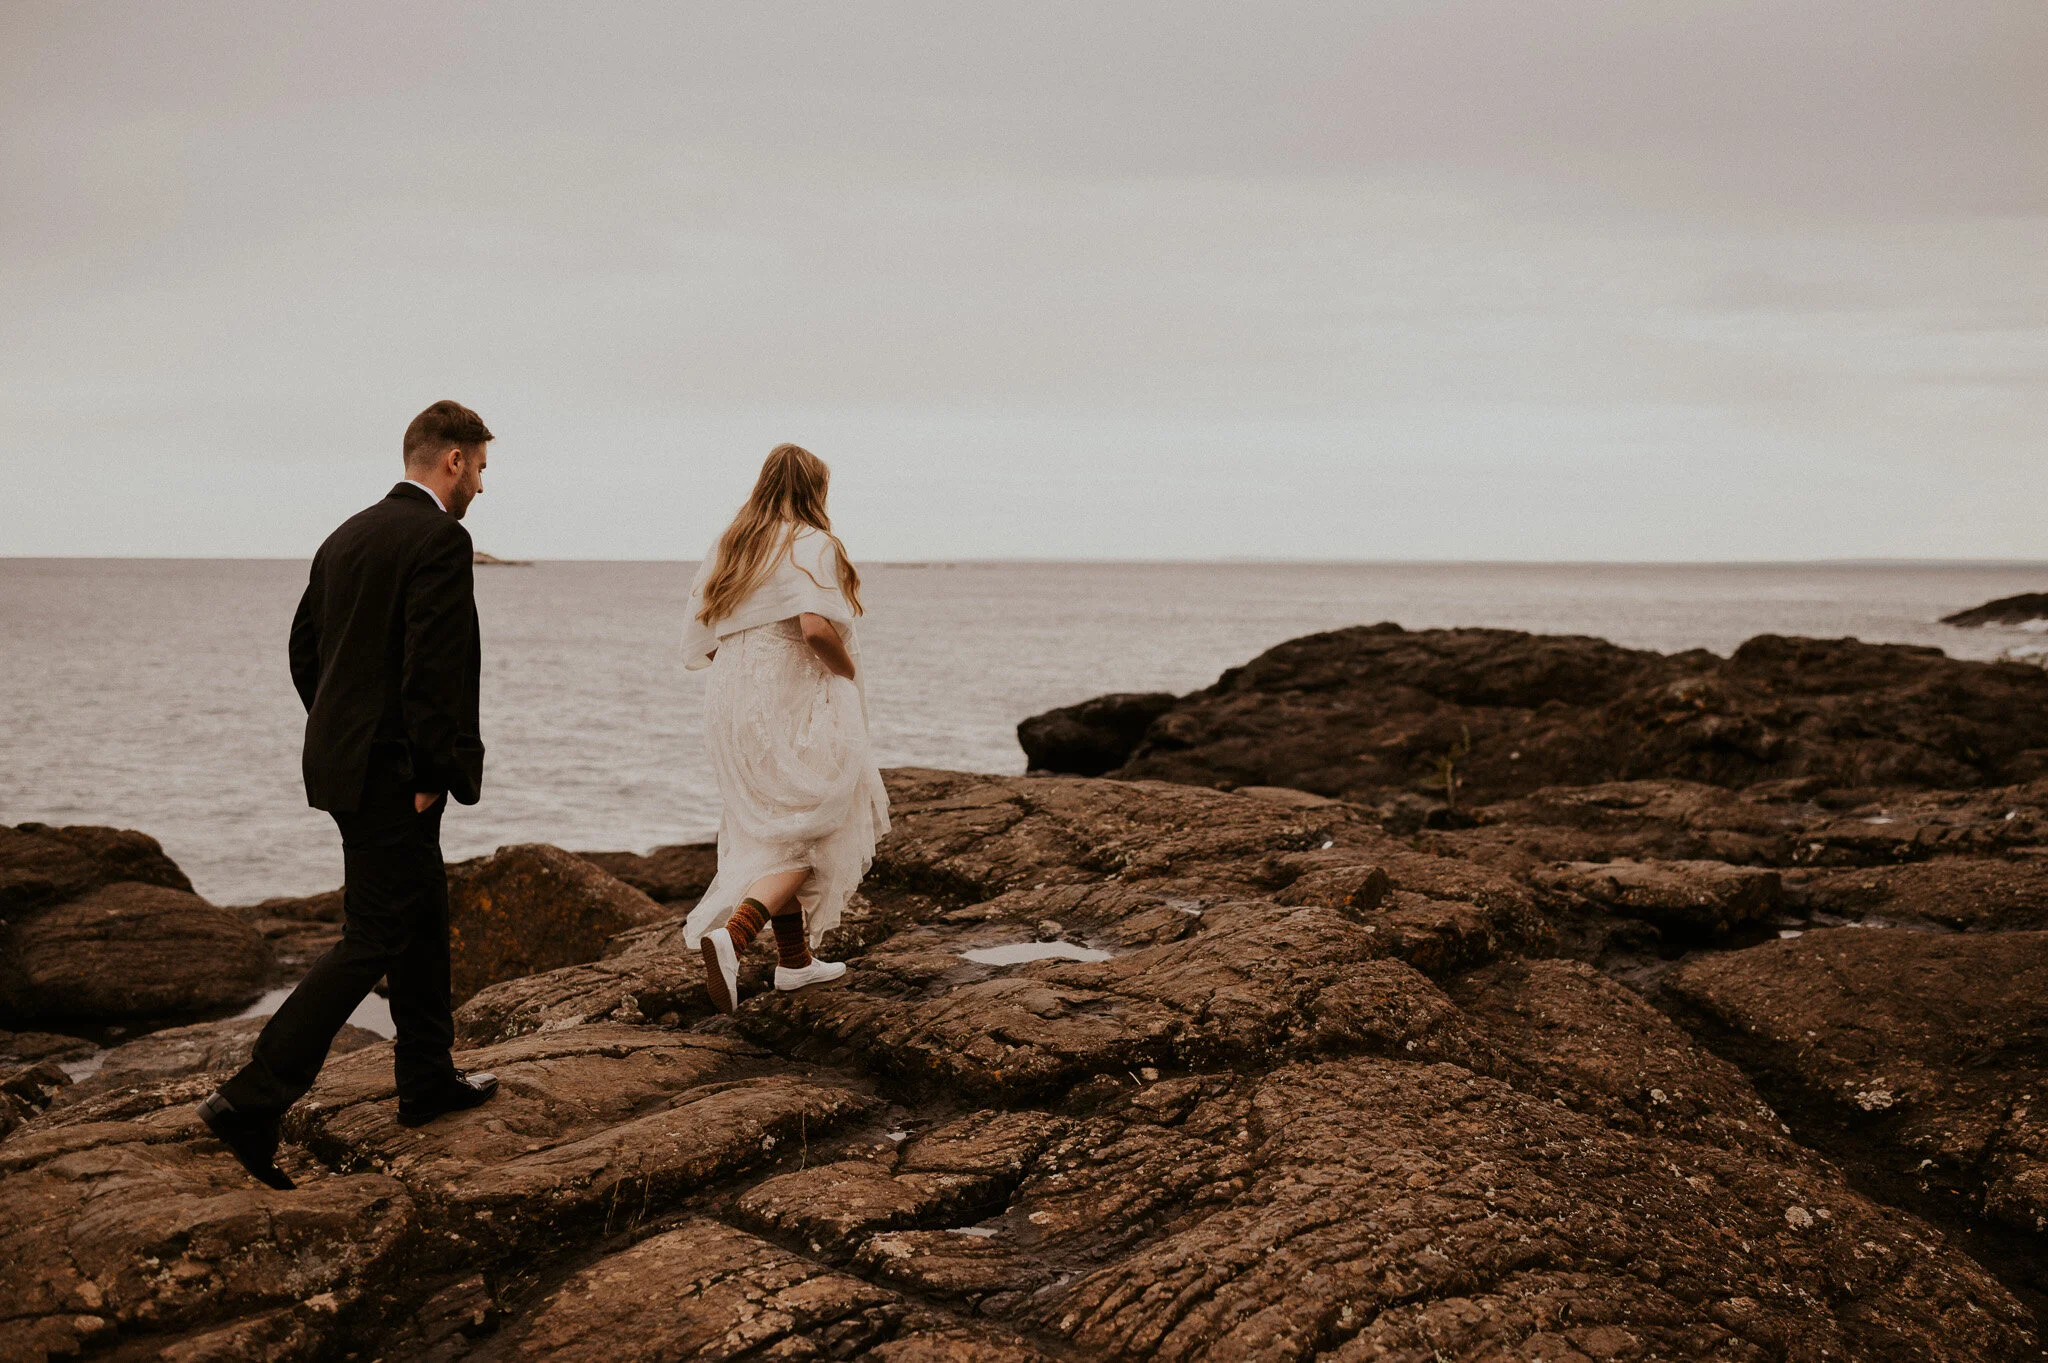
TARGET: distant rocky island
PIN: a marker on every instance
(1468, 993)
(482, 558)
(2028, 608)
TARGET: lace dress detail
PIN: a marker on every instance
(788, 742)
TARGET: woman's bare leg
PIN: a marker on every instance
(774, 892)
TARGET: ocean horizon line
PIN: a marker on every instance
(1973, 564)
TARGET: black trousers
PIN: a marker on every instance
(395, 924)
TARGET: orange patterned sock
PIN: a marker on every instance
(746, 922)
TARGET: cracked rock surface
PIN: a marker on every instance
(1134, 1069)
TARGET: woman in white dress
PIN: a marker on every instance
(785, 723)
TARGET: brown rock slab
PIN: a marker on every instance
(326, 907)
(1563, 1031)
(645, 976)
(41, 865)
(113, 1232)
(33, 1046)
(531, 907)
(828, 1205)
(1931, 1046)
(129, 950)
(27, 1090)
(1094, 737)
(1692, 898)
(704, 1290)
(1969, 893)
(967, 838)
(1369, 1208)
(1239, 991)
(602, 1123)
(1371, 712)
(675, 874)
(184, 1052)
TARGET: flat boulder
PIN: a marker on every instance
(531, 907)
(41, 865)
(675, 874)
(1930, 1048)
(587, 1120)
(668, 988)
(142, 1238)
(1696, 899)
(645, 975)
(129, 950)
(724, 1292)
(1381, 1208)
(1966, 893)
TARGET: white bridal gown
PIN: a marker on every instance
(788, 741)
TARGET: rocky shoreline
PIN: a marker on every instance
(1455, 994)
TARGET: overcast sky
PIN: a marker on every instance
(1699, 279)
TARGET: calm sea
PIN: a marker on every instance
(154, 695)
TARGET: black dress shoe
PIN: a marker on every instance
(461, 1092)
(251, 1140)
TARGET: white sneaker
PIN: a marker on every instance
(721, 969)
(817, 972)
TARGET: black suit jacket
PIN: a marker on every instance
(386, 654)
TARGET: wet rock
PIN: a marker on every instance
(964, 838)
(1093, 737)
(645, 976)
(1693, 898)
(128, 950)
(41, 865)
(594, 1125)
(950, 1176)
(1481, 716)
(1930, 1048)
(532, 907)
(1318, 1100)
(148, 1235)
(1205, 976)
(97, 924)
(827, 1205)
(1652, 820)
(30, 1047)
(1390, 1008)
(1968, 893)
(181, 1052)
(1238, 992)
(677, 874)
(2024, 609)
(1563, 1031)
(26, 1090)
(1358, 1208)
(727, 1294)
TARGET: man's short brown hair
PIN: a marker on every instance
(441, 425)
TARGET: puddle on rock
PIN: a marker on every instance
(1016, 953)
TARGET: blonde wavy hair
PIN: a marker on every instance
(789, 494)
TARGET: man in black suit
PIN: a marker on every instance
(386, 655)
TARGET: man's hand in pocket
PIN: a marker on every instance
(422, 801)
